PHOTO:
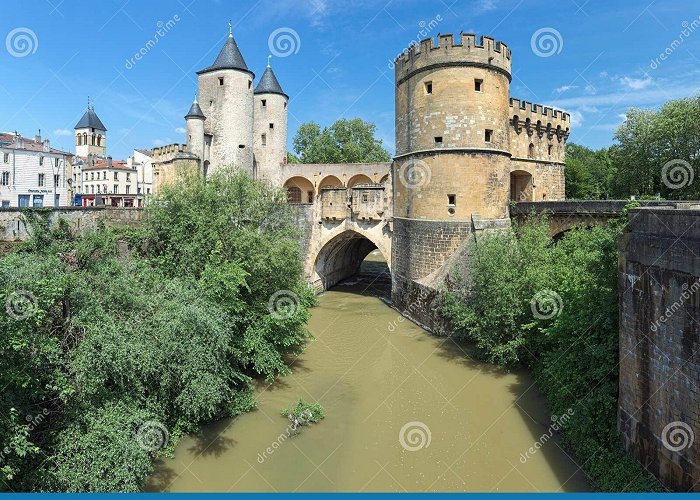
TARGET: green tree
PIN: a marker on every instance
(346, 141)
(589, 173)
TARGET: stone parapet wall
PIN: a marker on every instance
(659, 394)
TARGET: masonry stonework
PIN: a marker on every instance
(659, 395)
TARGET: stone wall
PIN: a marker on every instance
(659, 395)
(13, 228)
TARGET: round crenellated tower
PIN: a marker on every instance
(226, 99)
(452, 129)
(270, 132)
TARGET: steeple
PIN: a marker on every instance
(230, 57)
(90, 120)
(269, 84)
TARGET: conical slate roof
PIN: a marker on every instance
(195, 111)
(268, 84)
(90, 120)
(230, 57)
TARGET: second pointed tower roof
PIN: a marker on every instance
(90, 120)
(230, 57)
(269, 84)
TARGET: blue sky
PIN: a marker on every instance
(601, 63)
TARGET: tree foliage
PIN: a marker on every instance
(553, 308)
(346, 141)
(101, 343)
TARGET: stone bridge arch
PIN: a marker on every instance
(341, 251)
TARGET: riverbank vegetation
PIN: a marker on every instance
(656, 155)
(110, 353)
(553, 308)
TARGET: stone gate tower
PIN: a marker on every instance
(270, 129)
(226, 99)
(464, 150)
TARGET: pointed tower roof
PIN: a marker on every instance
(268, 84)
(195, 111)
(90, 120)
(230, 57)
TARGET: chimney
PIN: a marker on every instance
(47, 148)
(109, 161)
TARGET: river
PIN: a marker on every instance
(405, 411)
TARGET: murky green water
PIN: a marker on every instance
(404, 412)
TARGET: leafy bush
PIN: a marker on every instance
(553, 308)
(101, 343)
(304, 413)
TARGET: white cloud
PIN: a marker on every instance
(565, 88)
(576, 118)
(180, 130)
(590, 89)
(62, 132)
(635, 83)
(484, 6)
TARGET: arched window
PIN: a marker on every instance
(85, 138)
(99, 140)
(293, 195)
(531, 151)
(78, 142)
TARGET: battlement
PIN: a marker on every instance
(526, 109)
(540, 119)
(466, 49)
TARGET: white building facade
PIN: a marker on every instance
(32, 174)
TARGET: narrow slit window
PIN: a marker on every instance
(264, 103)
(549, 149)
(478, 85)
(221, 80)
(438, 140)
(452, 199)
(264, 139)
(428, 87)
(272, 126)
(488, 136)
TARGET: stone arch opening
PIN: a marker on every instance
(299, 190)
(384, 179)
(359, 179)
(330, 181)
(521, 186)
(342, 256)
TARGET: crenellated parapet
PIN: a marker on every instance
(540, 120)
(466, 50)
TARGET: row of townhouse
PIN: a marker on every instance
(33, 174)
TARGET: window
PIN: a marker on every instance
(549, 150)
(250, 84)
(7, 157)
(86, 176)
(92, 176)
(438, 140)
(221, 81)
(531, 151)
(104, 176)
(116, 176)
(41, 160)
(272, 126)
(285, 105)
(488, 136)
(138, 190)
(241, 146)
(428, 87)
(23, 200)
(57, 162)
(116, 189)
(128, 189)
(128, 177)
(5, 179)
(264, 103)
(38, 201)
(5, 203)
(56, 181)
(478, 85)
(42, 180)
(365, 198)
(452, 199)
(148, 190)
(92, 189)
(264, 139)
(293, 195)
